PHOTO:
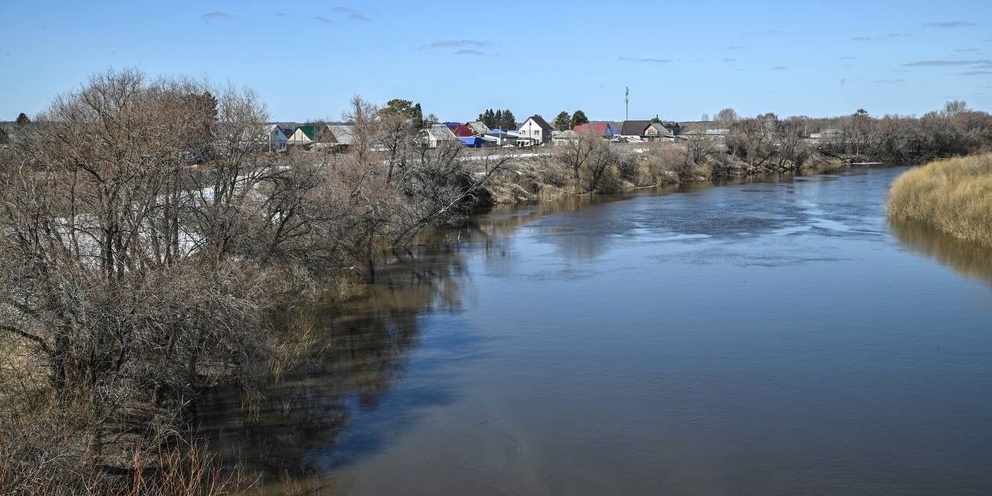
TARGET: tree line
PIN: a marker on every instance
(952, 131)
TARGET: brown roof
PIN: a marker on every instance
(634, 128)
(542, 123)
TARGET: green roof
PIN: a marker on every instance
(310, 131)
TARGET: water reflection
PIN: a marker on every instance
(969, 259)
(364, 345)
(322, 415)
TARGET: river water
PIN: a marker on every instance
(770, 338)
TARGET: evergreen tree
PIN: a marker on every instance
(488, 118)
(22, 120)
(498, 119)
(579, 117)
(412, 112)
(418, 116)
(563, 122)
(507, 120)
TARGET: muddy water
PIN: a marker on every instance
(766, 338)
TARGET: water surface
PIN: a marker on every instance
(771, 338)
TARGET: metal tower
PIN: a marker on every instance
(626, 102)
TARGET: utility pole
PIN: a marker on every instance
(626, 102)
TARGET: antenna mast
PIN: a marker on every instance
(626, 102)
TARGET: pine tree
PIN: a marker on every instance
(488, 118)
(579, 117)
(507, 120)
(563, 122)
(498, 119)
(22, 120)
(418, 116)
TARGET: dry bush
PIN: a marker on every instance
(663, 161)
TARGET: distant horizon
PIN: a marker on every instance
(680, 61)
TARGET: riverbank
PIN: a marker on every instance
(595, 168)
(953, 196)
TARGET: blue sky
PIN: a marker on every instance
(307, 59)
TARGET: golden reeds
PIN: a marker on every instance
(953, 196)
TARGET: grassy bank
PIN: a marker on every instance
(953, 196)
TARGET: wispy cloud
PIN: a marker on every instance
(648, 59)
(321, 19)
(949, 24)
(888, 81)
(729, 60)
(780, 68)
(457, 44)
(215, 16)
(352, 14)
(962, 50)
(884, 37)
(946, 63)
(736, 47)
(468, 51)
(975, 73)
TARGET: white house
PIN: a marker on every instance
(277, 139)
(537, 129)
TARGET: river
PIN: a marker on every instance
(765, 338)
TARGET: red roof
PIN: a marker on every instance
(461, 130)
(597, 128)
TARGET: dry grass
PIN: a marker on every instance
(40, 456)
(953, 196)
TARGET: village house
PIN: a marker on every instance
(480, 128)
(277, 139)
(503, 138)
(564, 137)
(342, 136)
(602, 129)
(645, 131)
(437, 135)
(466, 134)
(536, 129)
(311, 135)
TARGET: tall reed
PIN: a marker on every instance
(952, 195)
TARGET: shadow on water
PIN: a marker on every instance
(349, 401)
(299, 422)
(969, 259)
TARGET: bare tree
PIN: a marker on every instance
(588, 157)
(144, 240)
(754, 139)
(726, 117)
(793, 149)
